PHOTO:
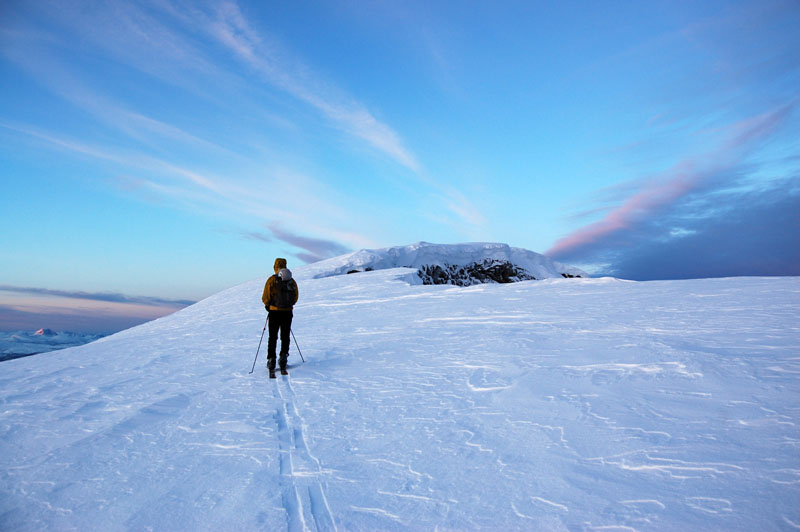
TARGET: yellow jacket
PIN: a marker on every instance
(269, 287)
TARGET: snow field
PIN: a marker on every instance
(580, 404)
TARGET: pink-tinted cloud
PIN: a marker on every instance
(27, 308)
(316, 249)
(687, 177)
(747, 231)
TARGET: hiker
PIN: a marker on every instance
(280, 295)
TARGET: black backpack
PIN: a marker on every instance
(285, 293)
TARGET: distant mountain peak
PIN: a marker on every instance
(17, 344)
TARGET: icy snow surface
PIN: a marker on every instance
(570, 404)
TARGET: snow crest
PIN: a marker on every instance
(424, 255)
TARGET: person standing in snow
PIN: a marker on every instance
(280, 295)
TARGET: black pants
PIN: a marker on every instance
(280, 321)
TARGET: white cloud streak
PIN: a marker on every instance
(174, 43)
(228, 26)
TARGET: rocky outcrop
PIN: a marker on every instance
(487, 271)
(367, 269)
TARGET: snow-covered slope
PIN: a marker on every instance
(426, 254)
(563, 404)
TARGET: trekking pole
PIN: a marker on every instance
(259, 345)
(298, 347)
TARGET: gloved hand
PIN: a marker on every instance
(266, 307)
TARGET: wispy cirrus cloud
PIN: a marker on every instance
(199, 190)
(195, 189)
(189, 47)
(135, 159)
(109, 297)
(228, 25)
(233, 30)
(679, 205)
(255, 235)
(147, 130)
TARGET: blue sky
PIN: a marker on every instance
(153, 153)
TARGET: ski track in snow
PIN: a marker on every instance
(572, 405)
(302, 490)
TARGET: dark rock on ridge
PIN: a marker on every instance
(487, 271)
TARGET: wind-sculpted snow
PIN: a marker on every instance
(572, 404)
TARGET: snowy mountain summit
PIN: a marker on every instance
(457, 264)
(561, 405)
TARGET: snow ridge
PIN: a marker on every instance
(425, 254)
